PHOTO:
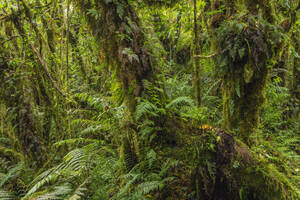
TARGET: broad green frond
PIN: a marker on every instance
(75, 141)
(180, 101)
(4, 195)
(146, 108)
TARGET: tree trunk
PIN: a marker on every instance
(245, 78)
(119, 33)
(197, 67)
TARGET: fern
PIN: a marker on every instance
(57, 193)
(75, 141)
(75, 163)
(79, 191)
(126, 189)
(179, 102)
(4, 165)
(94, 102)
(92, 129)
(4, 195)
(11, 152)
(13, 172)
(150, 175)
(146, 108)
(47, 179)
(150, 186)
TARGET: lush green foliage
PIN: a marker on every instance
(100, 99)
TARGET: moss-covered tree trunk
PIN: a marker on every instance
(296, 68)
(243, 100)
(119, 32)
(295, 89)
(116, 26)
(244, 55)
(197, 67)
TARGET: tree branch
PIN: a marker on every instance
(46, 70)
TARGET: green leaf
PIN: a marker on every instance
(237, 89)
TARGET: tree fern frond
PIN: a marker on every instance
(180, 101)
(146, 108)
(4, 140)
(73, 163)
(149, 186)
(79, 191)
(11, 153)
(146, 131)
(4, 195)
(126, 188)
(93, 129)
(38, 185)
(94, 102)
(57, 193)
(13, 172)
(211, 87)
(4, 165)
(75, 141)
(64, 192)
(167, 165)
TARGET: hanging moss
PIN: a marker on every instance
(243, 101)
(116, 27)
(246, 51)
(118, 32)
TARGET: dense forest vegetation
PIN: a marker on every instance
(150, 99)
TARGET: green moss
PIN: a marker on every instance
(243, 101)
(127, 156)
(263, 181)
(245, 72)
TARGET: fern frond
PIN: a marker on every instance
(4, 195)
(126, 188)
(149, 186)
(146, 108)
(79, 191)
(11, 153)
(39, 184)
(74, 163)
(13, 172)
(179, 102)
(94, 102)
(56, 194)
(167, 165)
(211, 87)
(75, 141)
(93, 129)
(4, 140)
(4, 164)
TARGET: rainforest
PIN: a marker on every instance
(149, 100)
